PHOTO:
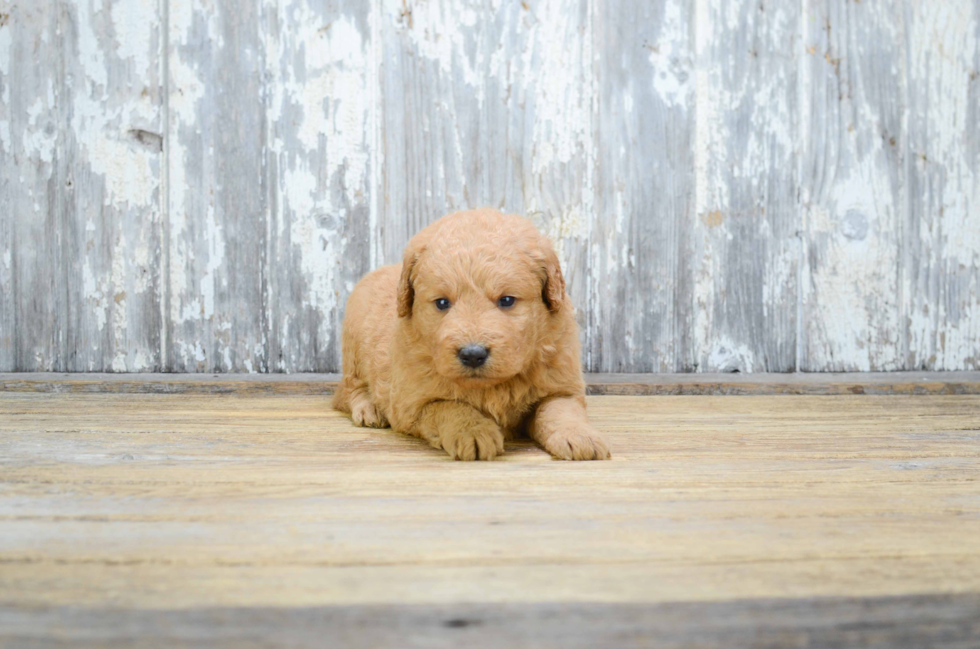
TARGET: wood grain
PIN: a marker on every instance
(152, 501)
(218, 188)
(745, 240)
(788, 515)
(113, 60)
(942, 265)
(194, 186)
(878, 622)
(642, 261)
(320, 162)
(853, 186)
(81, 134)
(33, 279)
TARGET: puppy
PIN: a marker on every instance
(471, 341)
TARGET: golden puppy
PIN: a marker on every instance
(469, 342)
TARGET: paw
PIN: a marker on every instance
(477, 442)
(579, 443)
(363, 413)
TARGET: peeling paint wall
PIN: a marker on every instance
(197, 185)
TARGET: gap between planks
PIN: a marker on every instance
(878, 383)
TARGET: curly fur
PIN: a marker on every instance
(400, 359)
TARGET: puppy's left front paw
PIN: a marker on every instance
(577, 443)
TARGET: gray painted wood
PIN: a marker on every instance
(218, 184)
(32, 159)
(321, 87)
(8, 306)
(942, 248)
(745, 243)
(642, 261)
(196, 186)
(110, 191)
(853, 185)
(80, 149)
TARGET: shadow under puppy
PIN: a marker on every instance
(471, 341)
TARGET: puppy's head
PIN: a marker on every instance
(480, 292)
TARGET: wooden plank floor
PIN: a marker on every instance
(243, 520)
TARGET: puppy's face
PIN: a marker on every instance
(482, 313)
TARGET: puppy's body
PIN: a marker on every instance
(403, 352)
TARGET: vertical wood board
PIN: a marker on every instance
(320, 165)
(33, 273)
(111, 191)
(745, 241)
(218, 184)
(853, 185)
(641, 263)
(942, 247)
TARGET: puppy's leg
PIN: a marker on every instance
(562, 428)
(461, 430)
(341, 398)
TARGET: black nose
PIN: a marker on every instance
(473, 355)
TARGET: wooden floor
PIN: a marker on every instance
(722, 521)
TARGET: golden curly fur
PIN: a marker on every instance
(401, 351)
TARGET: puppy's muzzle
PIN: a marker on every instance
(473, 355)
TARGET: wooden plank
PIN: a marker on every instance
(890, 383)
(321, 158)
(35, 238)
(111, 195)
(218, 186)
(194, 503)
(641, 263)
(8, 191)
(81, 146)
(745, 233)
(942, 267)
(853, 186)
(895, 622)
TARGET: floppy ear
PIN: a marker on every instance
(406, 292)
(553, 291)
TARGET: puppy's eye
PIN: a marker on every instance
(506, 301)
(442, 304)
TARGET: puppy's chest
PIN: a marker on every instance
(508, 407)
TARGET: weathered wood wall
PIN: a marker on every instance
(196, 185)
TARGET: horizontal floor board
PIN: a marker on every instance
(909, 622)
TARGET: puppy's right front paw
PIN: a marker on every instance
(363, 413)
(479, 442)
